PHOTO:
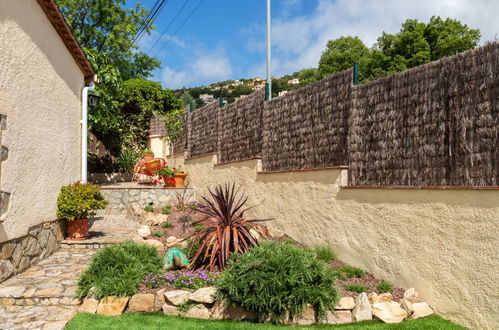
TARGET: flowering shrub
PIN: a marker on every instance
(181, 279)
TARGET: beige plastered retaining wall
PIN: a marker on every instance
(40, 87)
(444, 243)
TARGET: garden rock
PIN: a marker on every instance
(177, 297)
(412, 296)
(219, 311)
(307, 318)
(345, 303)
(169, 309)
(112, 306)
(89, 306)
(141, 302)
(171, 241)
(6, 269)
(154, 243)
(175, 259)
(339, 317)
(204, 295)
(144, 231)
(362, 310)
(421, 309)
(389, 312)
(384, 297)
(197, 311)
(159, 299)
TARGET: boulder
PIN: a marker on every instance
(389, 312)
(384, 297)
(6, 269)
(169, 309)
(159, 299)
(204, 295)
(89, 306)
(411, 295)
(112, 306)
(141, 302)
(339, 317)
(171, 241)
(154, 243)
(421, 309)
(307, 318)
(197, 311)
(362, 310)
(144, 231)
(177, 297)
(407, 305)
(220, 311)
(345, 303)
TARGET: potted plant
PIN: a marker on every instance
(167, 173)
(147, 155)
(179, 177)
(76, 203)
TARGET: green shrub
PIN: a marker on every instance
(158, 233)
(149, 208)
(384, 286)
(117, 270)
(276, 280)
(352, 271)
(198, 227)
(126, 160)
(167, 209)
(325, 253)
(79, 201)
(359, 288)
(167, 225)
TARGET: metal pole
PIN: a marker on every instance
(268, 86)
(356, 73)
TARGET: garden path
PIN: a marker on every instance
(44, 296)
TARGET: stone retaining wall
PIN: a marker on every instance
(21, 253)
(120, 198)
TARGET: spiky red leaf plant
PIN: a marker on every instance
(225, 231)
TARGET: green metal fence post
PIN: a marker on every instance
(190, 106)
(221, 102)
(356, 73)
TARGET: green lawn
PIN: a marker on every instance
(161, 321)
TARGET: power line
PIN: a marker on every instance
(150, 21)
(181, 25)
(146, 19)
(169, 25)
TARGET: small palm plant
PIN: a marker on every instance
(225, 229)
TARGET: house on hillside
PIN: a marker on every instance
(206, 98)
(43, 71)
(294, 81)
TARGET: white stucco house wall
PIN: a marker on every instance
(42, 73)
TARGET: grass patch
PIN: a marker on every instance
(158, 233)
(149, 208)
(159, 321)
(117, 270)
(167, 209)
(384, 286)
(352, 271)
(325, 253)
(198, 227)
(167, 225)
(359, 288)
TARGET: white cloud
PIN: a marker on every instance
(298, 42)
(203, 68)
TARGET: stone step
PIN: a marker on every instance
(84, 245)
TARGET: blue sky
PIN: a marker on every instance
(225, 39)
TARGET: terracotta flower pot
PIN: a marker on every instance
(78, 229)
(179, 179)
(168, 183)
(147, 158)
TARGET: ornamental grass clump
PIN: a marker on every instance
(276, 280)
(225, 231)
(117, 270)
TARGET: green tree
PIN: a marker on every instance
(307, 76)
(142, 99)
(341, 54)
(187, 99)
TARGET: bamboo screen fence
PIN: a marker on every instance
(436, 124)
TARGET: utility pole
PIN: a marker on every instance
(268, 85)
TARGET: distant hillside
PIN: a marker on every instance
(231, 90)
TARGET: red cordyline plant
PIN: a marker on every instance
(225, 230)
